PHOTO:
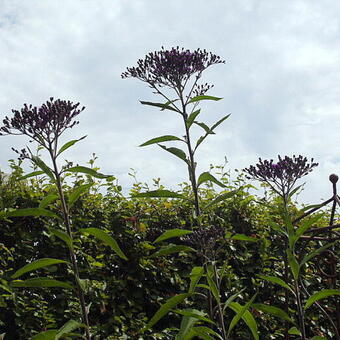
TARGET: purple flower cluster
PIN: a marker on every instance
(46, 123)
(283, 174)
(172, 67)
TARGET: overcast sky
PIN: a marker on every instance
(281, 81)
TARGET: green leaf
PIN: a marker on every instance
(194, 313)
(31, 174)
(317, 337)
(199, 98)
(165, 308)
(277, 227)
(75, 194)
(242, 237)
(106, 238)
(276, 311)
(172, 233)
(295, 191)
(192, 118)
(315, 253)
(158, 194)
(188, 321)
(294, 331)
(68, 327)
(276, 280)
(219, 122)
(69, 144)
(41, 282)
(205, 177)
(41, 164)
(205, 332)
(213, 287)
(171, 249)
(220, 198)
(205, 127)
(307, 224)
(322, 294)
(161, 139)
(63, 236)
(47, 335)
(41, 263)
(29, 212)
(162, 106)
(87, 171)
(175, 151)
(231, 299)
(47, 200)
(195, 276)
(243, 313)
(294, 266)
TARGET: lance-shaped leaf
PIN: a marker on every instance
(199, 98)
(68, 327)
(195, 276)
(305, 225)
(31, 174)
(166, 138)
(294, 266)
(219, 122)
(172, 233)
(48, 200)
(314, 253)
(160, 105)
(158, 194)
(41, 282)
(206, 177)
(322, 294)
(231, 299)
(87, 171)
(176, 151)
(245, 238)
(213, 288)
(41, 263)
(188, 321)
(29, 212)
(190, 120)
(42, 165)
(194, 313)
(276, 280)
(46, 335)
(166, 308)
(295, 191)
(69, 144)
(75, 194)
(220, 198)
(205, 333)
(63, 236)
(317, 337)
(206, 128)
(243, 313)
(171, 249)
(276, 311)
(106, 238)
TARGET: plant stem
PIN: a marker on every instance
(300, 310)
(71, 251)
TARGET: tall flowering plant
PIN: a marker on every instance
(44, 125)
(179, 71)
(281, 176)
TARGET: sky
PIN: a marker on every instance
(280, 83)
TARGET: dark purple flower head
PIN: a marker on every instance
(45, 123)
(283, 174)
(172, 67)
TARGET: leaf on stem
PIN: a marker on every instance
(31, 174)
(87, 171)
(172, 233)
(171, 249)
(199, 98)
(63, 236)
(41, 263)
(28, 212)
(106, 238)
(42, 165)
(322, 294)
(48, 200)
(165, 309)
(190, 120)
(276, 280)
(41, 282)
(160, 105)
(69, 144)
(175, 151)
(220, 198)
(166, 138)
(206, 176)
(195, 276)
(75, 194)
(276, 311)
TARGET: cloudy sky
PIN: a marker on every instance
(281, 82)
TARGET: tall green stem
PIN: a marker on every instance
(72, 254)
